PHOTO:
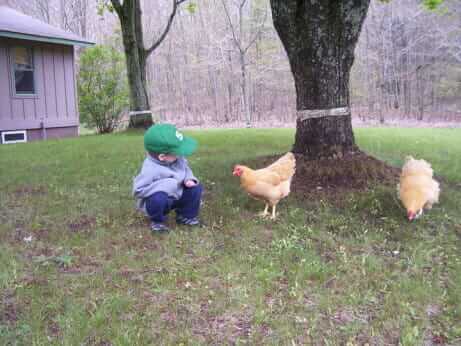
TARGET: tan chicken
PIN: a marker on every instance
(269, 184)
(417, 189)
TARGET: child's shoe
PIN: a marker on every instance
(158, 227)
(194, 221)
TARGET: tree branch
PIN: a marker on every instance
(154, 46)
(234, 36)
(258, 33)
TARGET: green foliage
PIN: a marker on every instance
(432, 4)
(103, 5)
(102, 88)
(191, 7)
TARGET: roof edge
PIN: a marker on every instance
(46, 39)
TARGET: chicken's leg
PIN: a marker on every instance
(265, 212)
(273, 212)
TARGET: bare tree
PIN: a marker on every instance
(406, 58)
(74, 16)
(243, 45)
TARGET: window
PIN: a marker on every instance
(14, 137)
(23, 66)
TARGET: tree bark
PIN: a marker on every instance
(132, 35)
(319, 38)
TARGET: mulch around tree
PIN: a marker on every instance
(332, 178)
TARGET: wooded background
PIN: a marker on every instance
(222, 54)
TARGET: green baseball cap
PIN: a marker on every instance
(167, 139)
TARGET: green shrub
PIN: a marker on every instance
(102, 88)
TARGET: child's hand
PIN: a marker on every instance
(190, 183)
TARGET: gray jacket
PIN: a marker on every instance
(156, 176)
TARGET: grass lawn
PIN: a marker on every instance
(93, 274)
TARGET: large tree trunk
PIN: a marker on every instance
(319, 38)
(136, 70)
(135, 56)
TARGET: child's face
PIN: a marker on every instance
(167, 157)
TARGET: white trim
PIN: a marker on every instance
(320, 113)
(39, 38)
(24, 132)
(139, 112)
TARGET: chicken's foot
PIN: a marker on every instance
(265, 212)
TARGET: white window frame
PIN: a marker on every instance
(23, 132)
(13, 75)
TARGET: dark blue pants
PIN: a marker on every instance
(159, 204)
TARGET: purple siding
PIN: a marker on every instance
(54, 101)
(58, 58)
(18, 109)
(53, 133)
(49, 81)
(70, 82)
(5, 101)
(40, 105)
(29, 108)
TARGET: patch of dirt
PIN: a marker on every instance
(344, 316)
(264, 330)
(137, 275)
(84, 223)
(30, 190)
(141, 243)
(19, 235)
(433, 310)
(333, 178)
(353, 171)
(437, 339)
(137, 219)
(227, 328)
(42, 234)
(70, 270)
(9, 310)
(33, 280)
(53, 329)
(34, 253)
(95, 341)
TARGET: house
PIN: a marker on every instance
(38, 96)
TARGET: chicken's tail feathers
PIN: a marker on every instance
(284, 166)
(435, 192)
(416, 167)
(289, 156)
(408, 158)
